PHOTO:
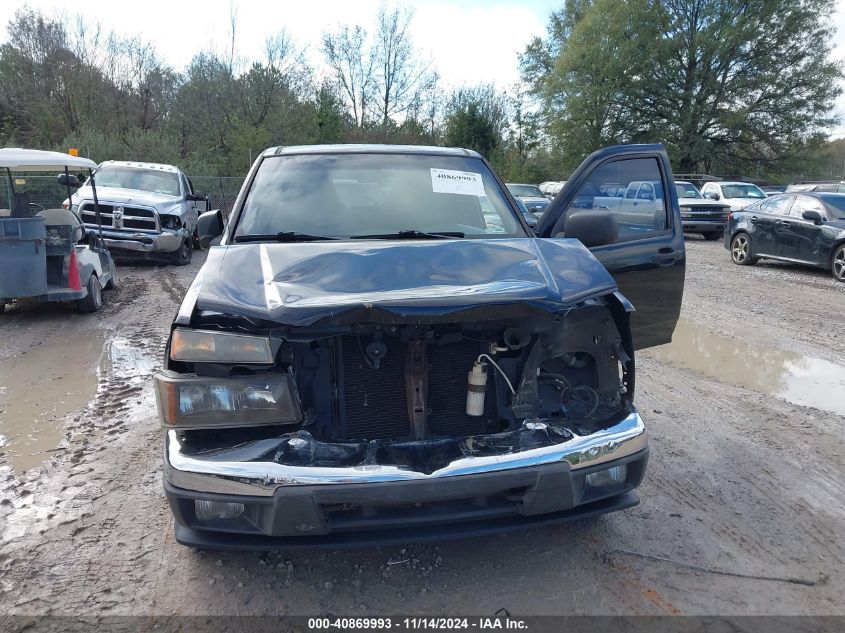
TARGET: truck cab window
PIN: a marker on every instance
(642, 210)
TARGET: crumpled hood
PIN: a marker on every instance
(160, 201)
(300, 283)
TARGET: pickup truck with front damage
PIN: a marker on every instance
(147, 210)
(367, 356)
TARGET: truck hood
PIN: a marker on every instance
(298, 284)
(160, 201)
(739, 203)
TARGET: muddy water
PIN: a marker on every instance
(47, 375)
(796, 378)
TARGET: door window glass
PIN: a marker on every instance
(643, 209)
(806, 203)
(779, 205)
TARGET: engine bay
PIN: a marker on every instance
(420, 395)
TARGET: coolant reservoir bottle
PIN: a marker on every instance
(476, 388)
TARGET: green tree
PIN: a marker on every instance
(476, 119)
(723, 84)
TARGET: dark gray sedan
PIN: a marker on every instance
(806, 228)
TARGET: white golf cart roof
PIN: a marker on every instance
(17, 159)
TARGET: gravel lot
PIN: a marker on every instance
(743, 506)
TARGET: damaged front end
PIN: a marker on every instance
(475, 420)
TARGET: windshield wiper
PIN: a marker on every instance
(284, 236)
(409, 234)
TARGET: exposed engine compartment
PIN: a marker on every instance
(387, 392)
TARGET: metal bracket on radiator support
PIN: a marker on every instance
(416, 388)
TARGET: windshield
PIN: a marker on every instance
(350, 195)
(686, 190)
(742, 191)
(525, 191)
(153, 180)
(835, 206)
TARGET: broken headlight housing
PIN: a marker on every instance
(201, 402)
(202, 346)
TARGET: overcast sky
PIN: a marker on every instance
(469, 41)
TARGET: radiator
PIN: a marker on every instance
(373, 400)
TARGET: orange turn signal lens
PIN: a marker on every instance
(202, 346)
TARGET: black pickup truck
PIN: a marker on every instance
(380, 350)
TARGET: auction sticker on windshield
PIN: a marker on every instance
(450, 181)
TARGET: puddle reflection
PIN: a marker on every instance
(796, 378)
(40, 387)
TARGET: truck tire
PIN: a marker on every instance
(182, 257)
(94, 300)
(712, 236)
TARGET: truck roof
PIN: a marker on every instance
(138, 165)
(352, 148)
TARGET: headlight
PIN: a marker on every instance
(199, 402)
(686, 209)
(201, 346)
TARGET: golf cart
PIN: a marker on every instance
(47, 254)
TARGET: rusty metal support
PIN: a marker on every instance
(416, 388)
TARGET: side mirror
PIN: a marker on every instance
(592, 228)
(210, 225)
(814, 216)
(69, 180)
(199, 197)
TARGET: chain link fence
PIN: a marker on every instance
(46, 192)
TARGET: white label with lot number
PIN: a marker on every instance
(466, 183)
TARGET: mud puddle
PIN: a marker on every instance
(73, 369)
(53, 376)
(799, 379)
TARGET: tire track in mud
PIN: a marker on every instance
(101, 513)
(126, 378)
(743, 505)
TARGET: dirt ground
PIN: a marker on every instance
(742, 512)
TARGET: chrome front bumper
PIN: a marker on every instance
(239, 471)
(139, 242)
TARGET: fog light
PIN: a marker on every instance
(208, 510)
(615, 475)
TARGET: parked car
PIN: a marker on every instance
(530, 219)
(773, 190)
(365, 357)
(531, 195)
(150, 210)
(550, 188)
(826, 186)
(699, 215)
(807, 228)
(47, 254)
(736, 194)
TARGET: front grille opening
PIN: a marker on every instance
(374, 400)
